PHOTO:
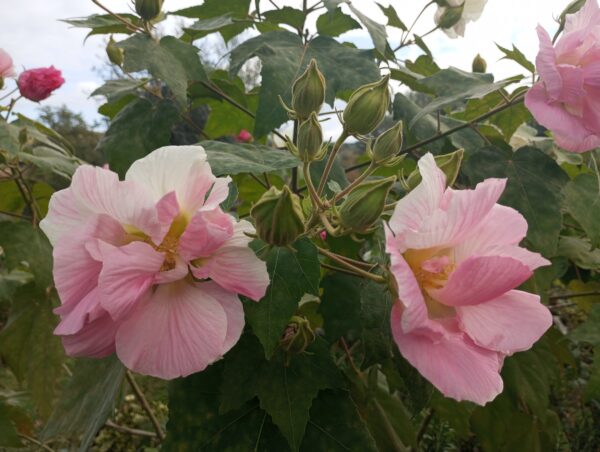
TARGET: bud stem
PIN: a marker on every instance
(316, 201)
(334, 257)
(330, 160)
(372, 167)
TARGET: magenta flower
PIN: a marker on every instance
(455, 257)
(567, 98)
(244, 136)
(151, 266)
(38, 84)
(6, 65)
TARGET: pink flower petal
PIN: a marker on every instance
(206, 232)
(546, 65)
(572, 84)
(182, 169)
(588, 16)
(421, 202)
(218, 193)
(479, 279)
(235, 267)
(454, 364)
(510, 323)
(127, 274)
(177, 331)
(96, 340)
(63, 216)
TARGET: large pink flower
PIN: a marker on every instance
(455, 258)
(567, 98)
(6, 65)
(151, 266)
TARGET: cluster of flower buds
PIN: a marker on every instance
(278, 217)
(148, 9)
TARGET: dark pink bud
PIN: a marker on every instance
(244, 136)
(38, 84)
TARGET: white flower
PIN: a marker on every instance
(472, 10)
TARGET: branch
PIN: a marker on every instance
(131, 431)
(124, 21)
(338, 259)
(36, 442)
(140, 396)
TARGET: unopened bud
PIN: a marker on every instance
(23, 136)
(310, 140)
(448, 163)
(367, 107)
(298, 335)
(479, 64)
(308, 91)
(115, 54)
(278, 217)
(148, 9)
(365, 204)
(450, 16)
(387, 145)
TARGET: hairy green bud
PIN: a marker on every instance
(310, 145)
(479, 64)
(367, 107)
(115, 54)
(278, 216)
(387, 145)
(365, 204)
(448, 163)
(148, 9)
(308, 91)
(297, 336)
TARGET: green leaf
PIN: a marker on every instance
(9, 138)
(335, 23)
(284, 57)
(392, 16)
(376, 305)
(293, 273)
(228, 158)
(457, 414)
(286, 390)
(335, 425)
(204, 27)
(195, 422)
(116, 89)
(453, 85)
(580, 252)
(9, 436)
(87, 401)
(592, 389)
(286, 15)
(170, 60)
(104, 24)
(341, 294)
(582, 201)
(376, 31)
(534, 185)
(29, 347)
(138, 129)
(517, 56)
(590, 330)
(10, 281)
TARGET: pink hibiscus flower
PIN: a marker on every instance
(455, 258)
(567, 98)
(151, 266)
(6, 65)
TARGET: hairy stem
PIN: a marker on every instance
(356, 182)
(330, 161)
(338, 259)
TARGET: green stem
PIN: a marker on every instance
(356, 182)
(330, 161)
(314, 197)
(142, 399)
(334, 257)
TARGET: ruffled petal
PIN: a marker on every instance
(183, 169)
(63, 216)
(546, 65)
(480, 279)
(95, 340)
(127, 274)
(218, 193)
(178, 330)
(510, 323)
(206, 232)
(588, 16)
(454, 364)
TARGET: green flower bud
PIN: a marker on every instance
(148, 9)
(387, 145)
(1, 82)
(115, 54)
(308, 91)
(365, 204)
(450, 16)
(297, 336)
(310, 140)
(367, 107)
(278, 216)
(448, 163)
(479, 64)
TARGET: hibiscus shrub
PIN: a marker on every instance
(231, 280)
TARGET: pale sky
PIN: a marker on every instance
(30, 31)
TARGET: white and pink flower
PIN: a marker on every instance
(456, 259)
(151, 267)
